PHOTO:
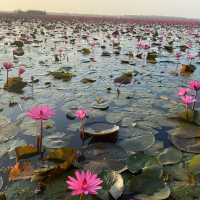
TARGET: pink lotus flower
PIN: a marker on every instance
(21, 70)
(81, 114)
(143, 45)
(8, 65)
(191, 56)
(183, 91)
(178, 55)
(194, 85)
(84, 183)
(187, 100)
(41, 112)
(189, 45)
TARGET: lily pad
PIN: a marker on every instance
(3, 120)
(101, 106)
(25, 151)
(170, 156)
(185, 192)
(138, 143)
(100, 129)
(139, 161)
(103, 156)
(8, 131)
(60, 154)
(149, 185)
(186, 138)
(49, 172)
(194, 165)
(114, 118)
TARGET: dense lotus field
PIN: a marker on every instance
(119, 101)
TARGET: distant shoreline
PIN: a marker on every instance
(132, 19)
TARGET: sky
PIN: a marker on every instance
(179, 8)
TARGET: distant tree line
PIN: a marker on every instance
(31, 12)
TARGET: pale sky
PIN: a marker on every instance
(181, 8)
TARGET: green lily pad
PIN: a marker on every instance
(178, 172)
(103, 156)
(114, 118)
(139, 161)
(170, 156)
(138, 143)
(185, 192)
(194, 165)
(8, 131)
(3, 120)
(186, 138)
(149, 184)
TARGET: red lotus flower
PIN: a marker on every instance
(21, 70)
(81, 114)
(194, 85)
(84, 183)
(8, 65)
(41, 112)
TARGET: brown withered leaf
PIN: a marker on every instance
(21, 171)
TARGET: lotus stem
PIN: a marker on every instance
(82, 132)
(194, 104)
(82, 197)
(118, 92)
(40, 139)
(7, 77)
(186, 110)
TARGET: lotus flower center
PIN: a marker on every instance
(84, 183)
(41, 113)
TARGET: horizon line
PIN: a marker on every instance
(102, 15)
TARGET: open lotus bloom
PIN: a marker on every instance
(191, 56)
(8, 65)
(194, 85)
(188, 100)
(81, 114)
(183, 91)
(178, 55)
(84, 183)
(21, 70)
(41, 112)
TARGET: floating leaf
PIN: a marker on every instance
(138, 161)
(149, 185)
(194, 165)
(25, 151)
(186, 138)
(103, 156)
(138, 143)
(60, 154)
(21, 171)
(44, 174)
(185, 192)
(114, 118)
(170, 156)
(8, 131)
